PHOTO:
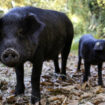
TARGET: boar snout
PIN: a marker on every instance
(98, 47)
(10, 57)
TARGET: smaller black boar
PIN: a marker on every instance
(93, 52)
(35, 35)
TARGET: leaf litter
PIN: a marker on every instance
(54, 91)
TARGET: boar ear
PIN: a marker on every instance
(98, 46)
(1, 23)
(33, 24)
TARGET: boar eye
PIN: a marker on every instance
(20, 33)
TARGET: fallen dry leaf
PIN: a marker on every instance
(47, 83)
(68, 88)
(99, 89)
(74, 102)
(10, 99)
(58, 97)
(103, 103)
(87, 103)
(84, 85)
(99, 98)
(86, 95)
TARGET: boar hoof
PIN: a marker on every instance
(63, 77)
(35, 100)
(101, 84)
(19, 91)
(56, 75)
(78, 70)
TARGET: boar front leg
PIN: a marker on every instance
(35, 81)
(20, 79)
(87, 71)
(100, 82)
(79, 63)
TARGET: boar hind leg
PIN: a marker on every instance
(57, 70)
(100, 82)
(20, 79)
(87, 71)
(64, 55)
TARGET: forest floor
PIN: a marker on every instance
(54, 91)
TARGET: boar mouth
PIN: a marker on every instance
(10, 64)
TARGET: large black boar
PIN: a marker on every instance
(29, 33)
(93, 52)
